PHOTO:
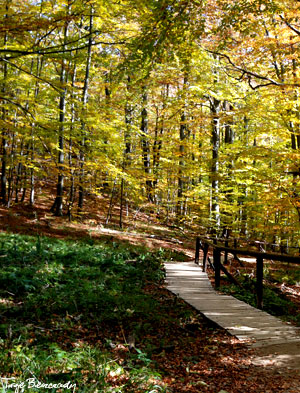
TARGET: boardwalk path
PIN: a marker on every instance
(278, 341)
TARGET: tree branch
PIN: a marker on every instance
(29, 73)
(26, 111)
(249, 73)
(49, 51)
(295, 30)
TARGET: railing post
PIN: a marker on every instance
(226, 245)
(259, 281)
(226, 253)
(235, 246)
(217, 262)
(197, 253)
(205, 251)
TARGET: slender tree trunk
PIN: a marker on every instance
(181, 182)
(229, 133)
(127, 152)
(128, 127)
(19, 173)
(29, 148)
(157, 145)
(84, 105)
(39, 67)
(12, 159)
(183, 133)
(4, 161)
(156, 150)
(228, 139)
(215, 109)
(73, 116)
(109, 213)
(146, 146)
(121, 204)
(4, 131)
(24, 185)
(107, 93)
(241, 201)
(57, 207)
(295, 135)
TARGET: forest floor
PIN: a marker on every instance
(190, 353)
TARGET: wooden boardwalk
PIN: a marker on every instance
(257, 328)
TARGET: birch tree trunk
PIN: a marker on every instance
(215, 210)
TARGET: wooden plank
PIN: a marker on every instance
(245, 322)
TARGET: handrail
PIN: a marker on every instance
(258, 242)
(204, 244)
(266, 255)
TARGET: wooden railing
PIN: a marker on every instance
(205, 244)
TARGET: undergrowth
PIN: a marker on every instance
(66, 305)
(274, 302)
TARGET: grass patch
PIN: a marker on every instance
(67, 308)
(289, 275)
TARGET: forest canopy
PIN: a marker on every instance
(188, 108)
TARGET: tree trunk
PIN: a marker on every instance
(4, 131)
(57, 207)
(127, 152)
(121, 204)
(84, 105)
(19, 173)
(215, 109)
(157, 145)
(183, 132)
(241, 201)
(146, 146)
(128, 125)
(72, 179)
